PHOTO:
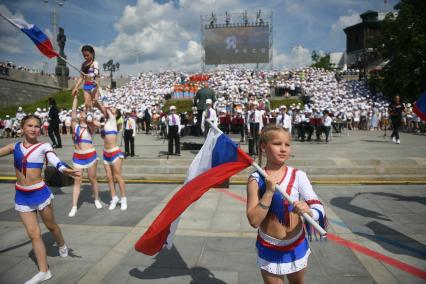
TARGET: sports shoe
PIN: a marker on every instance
(98, 204)
(73, 211)
(40, 277)
(113, 203)
(398, 141)
(393, 139)
(63, 251)
(123, 203)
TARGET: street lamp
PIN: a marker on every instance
(54, 20)
(110, 66)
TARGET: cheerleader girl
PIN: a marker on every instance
(282, 247)
(32, 195)
(113, 157)
(85, 156)
(90, 69)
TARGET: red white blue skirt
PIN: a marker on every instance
(84, 159)
(112, 155)
(281, 257)
(32, 197)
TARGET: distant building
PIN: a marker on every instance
(359, 39)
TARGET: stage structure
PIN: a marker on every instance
(237, 38)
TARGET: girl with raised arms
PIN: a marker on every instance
(32, 195)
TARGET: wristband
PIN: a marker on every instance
(263, 206)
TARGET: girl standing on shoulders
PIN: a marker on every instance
(85, 156)
(90, 68)
(32, 195)
(113, 157)
(281, 244)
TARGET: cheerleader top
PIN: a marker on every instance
(81, 135)
(34, 157)
(110, 127)
(93, 72)
(298, 187)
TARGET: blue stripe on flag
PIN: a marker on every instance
(224, 151)
(36, 35)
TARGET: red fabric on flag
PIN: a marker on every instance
(153, 240)
(47, 49)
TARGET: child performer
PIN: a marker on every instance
(282, 247)
(90, 68)
(85, 156)
(32, 195)
(113, 157)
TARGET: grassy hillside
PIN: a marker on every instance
(63, 100)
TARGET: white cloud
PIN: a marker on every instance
(299, 56)
(9, 40)
(336, 35)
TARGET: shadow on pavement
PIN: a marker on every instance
(169, 263)
(86, 195)
(345, 204)
(395, 242)
(398, 197)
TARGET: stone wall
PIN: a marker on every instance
(16, 92)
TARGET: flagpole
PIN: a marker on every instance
(16, 26)
(281, 189)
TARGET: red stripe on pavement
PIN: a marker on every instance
(383, 258)
(340, 241)
(233, 195)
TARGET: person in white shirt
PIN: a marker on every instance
(208, 114)
(284, 119)
(129, 135)
(173, 125)
(254, 127)
(327, 124)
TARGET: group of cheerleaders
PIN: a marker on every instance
(33, 196)
(282, 247)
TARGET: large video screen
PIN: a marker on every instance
(237, 45)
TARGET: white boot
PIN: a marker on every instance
(40, 277)
(123, 203)
(398, 141)
(113, 203)
(98, 204)
(73, 211)
(63, 251)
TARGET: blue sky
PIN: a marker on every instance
(158, 35)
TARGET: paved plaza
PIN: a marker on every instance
(377, 233)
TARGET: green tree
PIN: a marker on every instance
(321, 61)
(402, 46)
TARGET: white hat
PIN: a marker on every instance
(38, 109)
(209, 101)
(172, 108)
(44, 109)
(20, 108)
(283, 106)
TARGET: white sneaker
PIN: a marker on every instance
(394, 139)
(113, 203)
(398, 141)
(123, 203)
(40, 277)
(63, 251)
(98, 204)
(73, 211)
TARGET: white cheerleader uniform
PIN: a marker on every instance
(281, 257)
(37, 196)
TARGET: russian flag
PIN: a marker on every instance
(36, 35)
(218, 160)
(420, 107)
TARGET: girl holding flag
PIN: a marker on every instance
(85, 156)
(281, 244)
(32, 194)
(90, 69)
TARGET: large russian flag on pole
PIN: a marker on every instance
(218, 160)
(36, 35)
(420, 107)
